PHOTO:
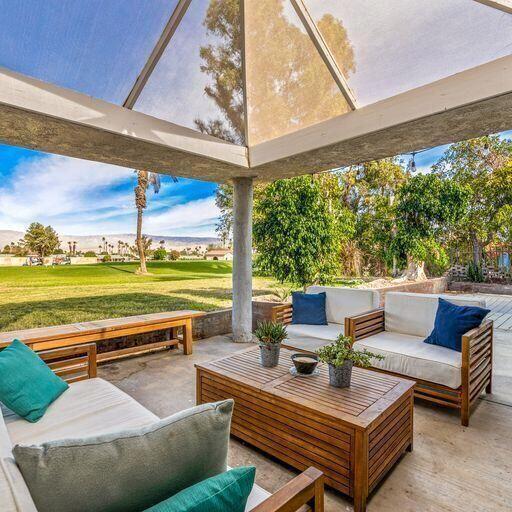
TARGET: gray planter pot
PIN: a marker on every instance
(269, 354)
(340, 376)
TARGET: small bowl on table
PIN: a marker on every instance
(305, 364)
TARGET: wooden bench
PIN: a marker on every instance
(70, 335)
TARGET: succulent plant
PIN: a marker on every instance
(270, 333)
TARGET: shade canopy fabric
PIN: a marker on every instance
(263, 88)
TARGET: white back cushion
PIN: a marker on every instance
(415, 313)
(344, 302)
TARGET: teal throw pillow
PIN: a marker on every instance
(227, 492)
(27, 385)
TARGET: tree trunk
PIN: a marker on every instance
(477, 253)
(415, 270)
(140, 203)
(140, 245)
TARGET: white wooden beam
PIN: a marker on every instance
(501, 5)
(158, 50)
(435, 101)
(43, 116)
(324, 51)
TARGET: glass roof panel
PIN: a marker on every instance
(97, 47)
(398, 45)
(197, 83)
(288, 85)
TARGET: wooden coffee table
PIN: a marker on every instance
(354, 435)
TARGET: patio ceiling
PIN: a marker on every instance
(216, 89)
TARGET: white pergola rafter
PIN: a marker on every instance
(324, 51)
(501, 5)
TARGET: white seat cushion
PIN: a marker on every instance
(311, 337)
(257, 496)
(88, 408)
(410, 356)
(14, 493)
(343, 302)
(415, 313)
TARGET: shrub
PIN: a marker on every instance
(475, 273)
(341, 350)
(107, 258)
(90, 254)
(174, 255)
(160, 254)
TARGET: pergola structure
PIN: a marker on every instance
(237, 90)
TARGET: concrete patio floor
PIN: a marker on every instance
(452, 468)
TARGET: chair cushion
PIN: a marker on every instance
(452, 322)
(129, 470)
(27, 385)
(308, 308)
(227, 491)
(14, 493)
(257, 496)
(407, 355)
(89, 408)
(415, 313)
(311, 337)
(341, 302)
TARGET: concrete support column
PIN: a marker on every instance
(242, 259)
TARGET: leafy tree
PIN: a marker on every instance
(90, 254)
(369, 192)
(160, 254)
(6, 249)
(174, 255)
(41, 240)
(484, 166)
(426, 205)
(298, 230)
(224, 202)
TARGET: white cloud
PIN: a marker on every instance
(78, 197)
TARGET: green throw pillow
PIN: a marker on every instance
(27, 385)
(222, 493)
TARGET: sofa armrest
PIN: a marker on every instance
(282, 314)
(305, 489)
(72, 363)
(477, 361)
(364, 325)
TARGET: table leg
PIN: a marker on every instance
(360, 471)
(187, 337)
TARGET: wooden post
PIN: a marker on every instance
(361, 471)
(187, 337)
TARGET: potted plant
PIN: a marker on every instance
(270, 335)
(340, 356)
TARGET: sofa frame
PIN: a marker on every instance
(476, 370)
(79, 362)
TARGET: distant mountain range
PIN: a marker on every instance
(92, 242)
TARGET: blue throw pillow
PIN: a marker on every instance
(222, 493)
(452, 322)
(309, 308)
(27, 385)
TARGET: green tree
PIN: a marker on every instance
(426, 206)
(160, 254)
(298, 230)
(369, 192)
(89, 254)
(41, 240)
(484, 166)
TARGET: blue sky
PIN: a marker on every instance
(98, 47)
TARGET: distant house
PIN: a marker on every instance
(219, 255)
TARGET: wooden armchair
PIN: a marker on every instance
(476, 370)
(72, 363)
(282, 314)
(305, 489)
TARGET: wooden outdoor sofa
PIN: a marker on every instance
(397, 331)
(101, 330)
(111, 410)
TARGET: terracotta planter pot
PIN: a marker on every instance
(340, 376)
(269, 354)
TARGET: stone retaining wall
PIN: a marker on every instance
(469, 287)
(436, 285)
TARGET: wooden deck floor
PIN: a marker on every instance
(501, 309)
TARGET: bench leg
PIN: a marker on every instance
(187, 337)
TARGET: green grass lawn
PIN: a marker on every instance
(43, 296)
